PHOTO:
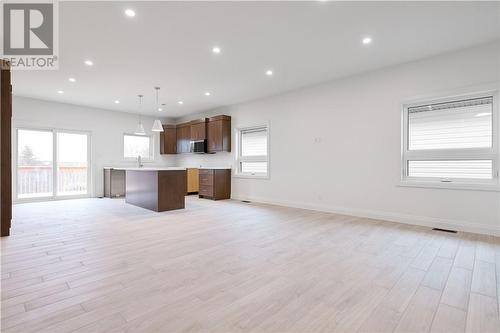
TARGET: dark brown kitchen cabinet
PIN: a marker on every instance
(199, 129)
(215, 184)
(168, 140)
(176, 139)
(219, 134)
(183, 138)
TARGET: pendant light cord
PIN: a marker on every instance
(157, 91)
(140, 108)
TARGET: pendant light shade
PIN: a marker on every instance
(157, 126)
(140, 129)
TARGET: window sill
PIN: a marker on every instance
(245, 176)
(134, 160)
(450, 186)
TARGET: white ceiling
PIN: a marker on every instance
(169, 44)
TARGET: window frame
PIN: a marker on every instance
(451, 154)
(263, 158)
(151, 157)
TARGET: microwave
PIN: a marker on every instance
(199, 146)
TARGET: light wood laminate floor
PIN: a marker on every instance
(100, 265)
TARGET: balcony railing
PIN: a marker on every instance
(37, 181)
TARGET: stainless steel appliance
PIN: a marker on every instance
(199, 146)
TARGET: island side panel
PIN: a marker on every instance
(172, 187)
(118, 183)
(142, 189)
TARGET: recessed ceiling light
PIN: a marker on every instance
(88, 62)
(207, 93)
(117, 102)
(180, 102)
(72, 79)
(269, 72)
(366, 40)
(216, 50)
(483, 114)
(60, 92)
(129, 12)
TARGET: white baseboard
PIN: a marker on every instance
(425, 221)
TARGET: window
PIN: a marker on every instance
(72, 163)
(35, 164)
(451, 141)
(253, 154)
(51, 163)
(137, 145)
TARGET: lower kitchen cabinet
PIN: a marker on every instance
(193, 180)
(215, 184)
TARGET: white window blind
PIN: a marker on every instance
(471, 169)
(253, 151)
(451, 141)
(254, 142)
(254, 167)
(454, 125)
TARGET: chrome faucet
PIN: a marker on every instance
(139, 161)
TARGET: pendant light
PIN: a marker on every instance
(157, 126)
(140, 129)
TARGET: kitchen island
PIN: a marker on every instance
(158, 189)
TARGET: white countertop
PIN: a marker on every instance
(168, 168)
(147, 168)
(215, 167)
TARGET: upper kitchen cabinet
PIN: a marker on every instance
(183, 137)
(168, 140)
(219, 134)
(199, 129)
(176, 139)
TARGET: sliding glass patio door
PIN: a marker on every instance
(52, 164)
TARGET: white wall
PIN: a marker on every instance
(355, 168)
(106, 128)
